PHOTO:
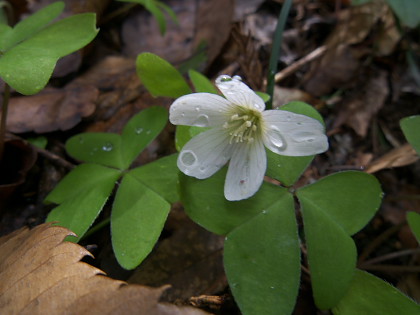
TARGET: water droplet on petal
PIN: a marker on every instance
(138, 130)
(182, 114)
(197, 109)
(202, 121)
(202, 169)
(107, 147)
(188, 158)
(303, 136)
(289, 118)
(276, 138)
(237, 78)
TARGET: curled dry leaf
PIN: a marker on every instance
(52, 109)
(401, 156)
(42, 274)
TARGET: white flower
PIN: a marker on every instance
(240, 130)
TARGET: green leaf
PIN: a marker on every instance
(183, 134)
(265, 97)
(205, 203)
(137, 219)
(408, 11)
(141, 130)
(287, 169)
(350, 198)
(411, 129)
(160, 77)
(28, 66)
(331, 255)
(101, 148)
(371, 295)
(82, 195)
(83, 177)
(161, 176)
(201, 83)
(29, 26)
(413, 219)
(262, 260)
(334, 208)
(157, 14)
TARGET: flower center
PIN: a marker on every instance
(243, 127)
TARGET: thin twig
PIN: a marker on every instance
(298, 64)
(392, 268)
(47, 154)
(378, 241)
(390, 256)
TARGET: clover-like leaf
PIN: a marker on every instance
(161, 176)
(413, 219)
(160, 77)
(30, 52)
(97, 147)
(137, 219)
(262, 260)
(334, 208)
(371, 295)
(82, 195)
(205, 203)
(411, 128)
(140, 131)
(201, 83)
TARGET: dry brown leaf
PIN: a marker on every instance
(201, 21)
(347, 45)
(358, 108)
(42, 274)
(401, 156)
(52, 109)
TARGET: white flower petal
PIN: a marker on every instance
(246, 170)
(199, 109)
(205, 154)
(291, 134)
(239, 93)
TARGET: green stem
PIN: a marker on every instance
(4, 108)
(275, 51)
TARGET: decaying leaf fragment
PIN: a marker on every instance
(401, 156)
(42, 274)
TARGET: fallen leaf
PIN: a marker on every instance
(202, 21)
(52, 109)
(361, 106)
(42, 274)
(401, 156)
(349, 43)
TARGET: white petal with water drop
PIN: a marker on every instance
(205, 154)
(302, 135)
(199, 109)
(239, 93)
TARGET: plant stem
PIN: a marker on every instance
(6, 96)
(275, 51)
